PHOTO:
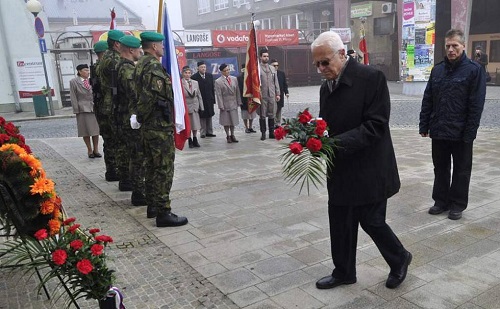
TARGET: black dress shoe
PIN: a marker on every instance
(455, 215)
(151, 212)
(436, 210)
(202, 136)
(167, 218)
(329, 282)
(97, 155)
(396, 278)
(211, 135)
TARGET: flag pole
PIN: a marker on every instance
(160, 12)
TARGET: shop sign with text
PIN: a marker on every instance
(238, 38)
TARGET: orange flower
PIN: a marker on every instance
(47, 207)
(31, 161)
(15, 148)
(41, 186)
(56, 214)
(54, 226)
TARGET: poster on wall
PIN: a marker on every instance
(30, 77)
(418, 39)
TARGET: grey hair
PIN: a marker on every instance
(330, 39)
(456, 33)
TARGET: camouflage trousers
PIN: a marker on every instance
(108, 132)
(122, 154)
(159, 155)
(136, 159)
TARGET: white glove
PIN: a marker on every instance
(133, 122)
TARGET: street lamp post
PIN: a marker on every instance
(35, 7)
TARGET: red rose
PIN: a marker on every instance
(27, 148)
(94, 231)
(2, 121)
(76, 244)
(279, 133)
(10, 128)
(314, 144)
(41, 234)
(295, 147)
(104, 238)
(320, 127)
(96, 249)
(73, 228)
(305, 117)
(4, 138)
(84, 266)
(59, 257)
(69, 220)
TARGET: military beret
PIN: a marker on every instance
(200, 63)
(222, 67)
(186, 68)
(115, 34)
(100, 46)
(81, 67)
(152, 37)
(130, 41)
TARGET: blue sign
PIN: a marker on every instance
(40, 30)
(43, 46)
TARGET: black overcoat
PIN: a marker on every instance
(283, 87)
(207, 89)
(357, 113)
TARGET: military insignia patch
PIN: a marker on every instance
(159, 83)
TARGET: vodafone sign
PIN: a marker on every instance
(229, 38)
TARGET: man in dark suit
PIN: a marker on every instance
(283, 92)
(355, 102)
(207, 88)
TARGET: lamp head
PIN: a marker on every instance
(34, 6)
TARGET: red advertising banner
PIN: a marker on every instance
(103, 35)
(180, 51)
(238, 38)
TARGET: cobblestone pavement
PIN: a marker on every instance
(253, 242)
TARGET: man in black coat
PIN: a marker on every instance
(451, 111)
(283, 91)
(355, 102)
(207, 88)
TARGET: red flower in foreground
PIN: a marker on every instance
(76, 244)
(296, 147)
(305, 117)
(279, 133)
(84, 266)
(69, 220)
(73, 228)
(320, 127)
(41, 234)
(59, 257)
(104, 238)
(97, 249)
(314, 144)
(94, 231)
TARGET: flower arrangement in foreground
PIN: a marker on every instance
(74, 256)
(310, 153)
(9, 134)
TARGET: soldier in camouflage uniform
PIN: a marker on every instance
(107, 124)
(99, 49)
(130, 147)
(155, 113)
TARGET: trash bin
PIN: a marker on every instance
(40, 105)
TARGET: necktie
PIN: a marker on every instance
(228, 80)
(190, 86)
(86, 84)
(203, 76)
(331, 85)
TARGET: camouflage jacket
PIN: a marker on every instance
(155, 109)
(126, 92)
(96, 86)
(106, 68)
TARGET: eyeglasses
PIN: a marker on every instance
(275, 65)
(324, 63)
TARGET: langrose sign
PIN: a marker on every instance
(239, 38)
(197, 38)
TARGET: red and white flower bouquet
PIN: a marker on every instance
(310, 153)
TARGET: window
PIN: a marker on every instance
(221, 5)
(240, 3)
(494, 51)
(382, 25)
(203, 6)
(291, 21)
(266, 23)
(223, 27)
(241, 26)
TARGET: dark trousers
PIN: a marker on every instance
(455, 194)
(344, 220)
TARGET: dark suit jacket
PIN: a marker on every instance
(357, 113)
(207, 89)
(283, 87)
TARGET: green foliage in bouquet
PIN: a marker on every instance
(308, 156)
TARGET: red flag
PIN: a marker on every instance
(251, 83)
(112, 25)
(364, 50)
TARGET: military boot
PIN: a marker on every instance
(138, 198)
(167, 218)
(262, 124)
(125, 185)
(270, 123)
(195, 142)
(190, 142)
(111, 175)
(151, 212)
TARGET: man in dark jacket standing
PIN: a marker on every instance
(207, 88)
(355, 102)
(451, 110)
(283, 92)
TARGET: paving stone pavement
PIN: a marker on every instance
(253, 242)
